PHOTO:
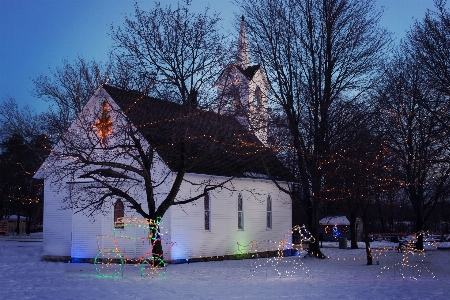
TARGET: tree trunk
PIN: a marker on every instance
(157, 250)
(419, 225)
(314, 248)
(367, 241)
(353, 243)
(368, 249)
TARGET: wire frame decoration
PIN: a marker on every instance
(109, 262)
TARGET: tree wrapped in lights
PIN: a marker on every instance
(411, 111)
(20, 194)
(358, 171)
(24, 147)
(320, 57)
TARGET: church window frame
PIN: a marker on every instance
(269, 221)
(240, 211)
(207, 209)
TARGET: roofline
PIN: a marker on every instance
(241, 178)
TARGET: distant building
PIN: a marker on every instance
(9, 225)
(333, 228)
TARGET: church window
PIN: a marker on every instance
(240, 213)
(258, 97)
(269, 213)
(235, 96)
(207, 206)
(119, 213)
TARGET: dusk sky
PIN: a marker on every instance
(36, 35)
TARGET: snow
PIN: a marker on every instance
(337, 220)
(14, 218)
(344, 275)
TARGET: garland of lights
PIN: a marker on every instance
(110, 262)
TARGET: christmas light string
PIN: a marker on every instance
(104, 123)
(110, 262)
(404, 265)
(279, 262)
(330, 159)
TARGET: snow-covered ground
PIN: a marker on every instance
(344, 275)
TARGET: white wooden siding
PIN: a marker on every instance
(84, 232)
(57, 223)
(191, 240)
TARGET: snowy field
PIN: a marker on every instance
(344, 275)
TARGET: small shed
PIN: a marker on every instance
(9, 225)
(334, 227)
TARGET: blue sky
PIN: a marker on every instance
(36, 35)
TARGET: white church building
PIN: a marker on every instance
(248, 207)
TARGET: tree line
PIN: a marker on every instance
(361, 123)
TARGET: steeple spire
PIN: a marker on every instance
(243, 59)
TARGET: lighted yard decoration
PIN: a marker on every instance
(412, 261)
(104, 123)
(281, 264)
(109, 261)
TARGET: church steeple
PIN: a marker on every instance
(242, 58)
(242, 90)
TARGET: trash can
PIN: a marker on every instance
(342, 243)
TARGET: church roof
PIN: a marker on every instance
(250, 71)
(215, 144)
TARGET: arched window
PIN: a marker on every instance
(119, 214)
(207, 206)
(240, 208)
(269, 213)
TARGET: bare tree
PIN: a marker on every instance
(20, 159)
(319, 56)
(23, 121)
(180, 52)
(412, 110)
(429, 40)
(67, 91)
(24, 146)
